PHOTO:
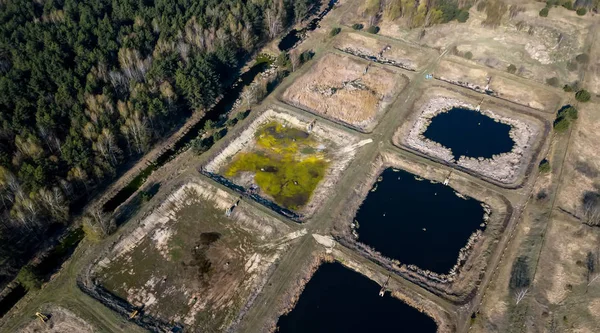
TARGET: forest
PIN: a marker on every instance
(88, 86)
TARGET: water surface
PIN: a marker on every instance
(337, 299)
(417, 222)
(470, 133)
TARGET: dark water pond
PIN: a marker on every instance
(470, 133)
(337, 299)
(11, 299)
(417, 222)
(294, 36)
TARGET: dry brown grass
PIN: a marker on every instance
(582, 167)
(529, 94)
(403, 53)
(532, 95)
(337, 87)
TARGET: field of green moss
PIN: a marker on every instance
(288, 164)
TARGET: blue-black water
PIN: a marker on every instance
(417, 222)
(337, 299)
(294, 36)
(469, 133)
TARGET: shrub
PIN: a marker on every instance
(544, 166)
(544, 12)
(335, 31)
(553, 81)
(511, 69)
(306, 56)
(199, 146)
(217, 136)
(582, 58)
(357, 26)
(462, 16)
(568, 112)
(561, 125)
(28, 279)
(208, 125)
(241, 116)
(373, 29)
(568, 5)
(230, 122)
(581, 11)
(519, 275)
(583, 95)
(468, 55)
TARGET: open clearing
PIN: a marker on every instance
(290, 161)
(60, 320)
(343, 88)
(191, 264)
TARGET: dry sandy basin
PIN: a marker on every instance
(345, 89)
(189, 263)
(508, 168)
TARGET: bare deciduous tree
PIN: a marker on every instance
(100, 222)
(590, 207)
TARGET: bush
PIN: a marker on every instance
(581, 11)
(306, 56)
(561, 125)
(582, 58)
(208, 125)
(335, 31)
(199, 146)
(373, 29)
(519, 275)
(553, 81)
(544, 12)
(462, 16)
(568, 112)
(357, 26)
(28, 279)
(241, 116)
(583, 95)
(217, 136)
(511, 69)
(544, 166)
(568, 5)
(468, 55)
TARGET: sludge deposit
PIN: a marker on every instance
(290, 161)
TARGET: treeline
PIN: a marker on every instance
(417, 13)
(87, 85)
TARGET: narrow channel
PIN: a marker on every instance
(416, 221)
(337, 299)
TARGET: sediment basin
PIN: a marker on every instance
(337, 299)
(470, 133)
(417, 222)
